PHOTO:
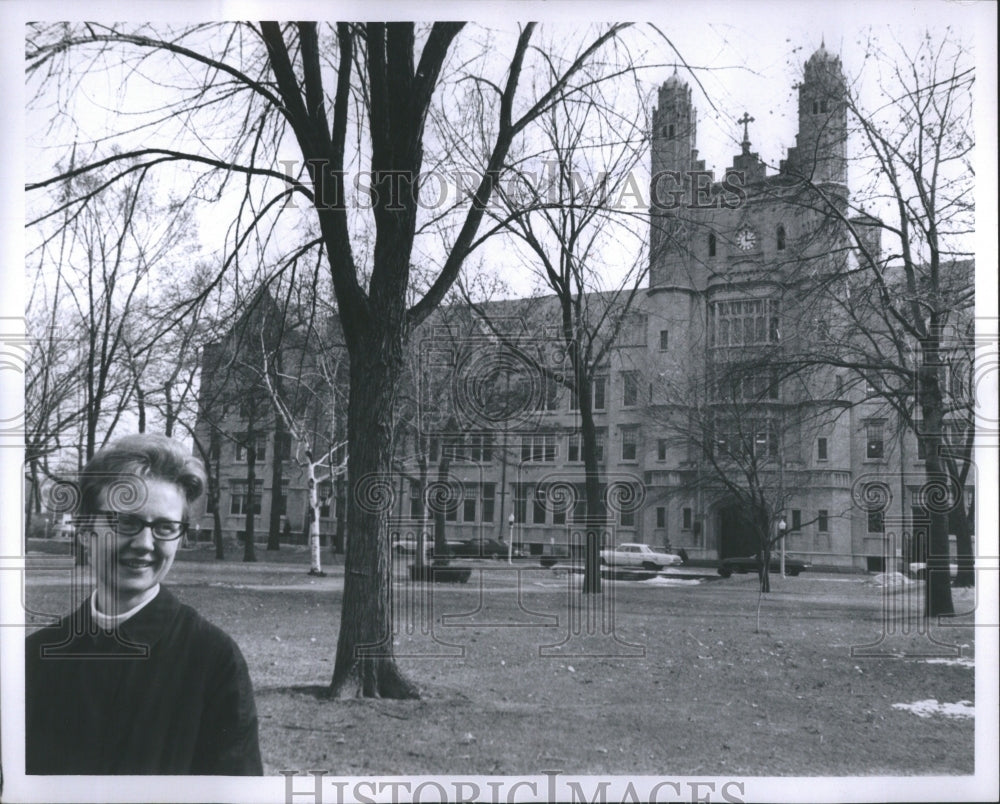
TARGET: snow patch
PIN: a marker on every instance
(960, 662)
(931, 707)
(659, 580)
(890, 579)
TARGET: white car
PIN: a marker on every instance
(634, 554)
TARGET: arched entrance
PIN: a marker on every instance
(736, 534)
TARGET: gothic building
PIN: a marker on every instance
(732, 259)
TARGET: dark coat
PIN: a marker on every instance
(166, 693)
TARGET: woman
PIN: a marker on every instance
(135, 682)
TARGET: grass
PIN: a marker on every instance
(679, 684)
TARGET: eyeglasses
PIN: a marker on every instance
(166, 530)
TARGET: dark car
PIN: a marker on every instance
(479, 548)
(728, 566)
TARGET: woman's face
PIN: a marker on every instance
(127, 567)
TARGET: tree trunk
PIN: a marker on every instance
(220, 548)
(966, 575)
(365, 664)
(248, 546)
(596, 513)
(421, 517)
(140, 401)
(315, 557)
(341, 503)
(937, 601)
(274, 524)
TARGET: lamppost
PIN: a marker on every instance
(782, 526)
(510, 540)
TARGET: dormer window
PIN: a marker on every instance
(780, 236)
(711, 244)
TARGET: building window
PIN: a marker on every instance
(597, 388)
(744, 322)
(661, 516)
(661, 449)
(664, 340)
(875, 445)
(260, 453)
(469, 502)
(283, 446)
(480, 447)
(686, 519)
(415, 495)
(238, 504)
(740, 385)
(520, 502)
(670, 131)
(821, 449)
(324, 493)
(538, 507)
(711, 244)
(630, 389)
(489, 501)
(921, 446)
(210, 503)
(796, 520)
(823, 521)
(538, 448)
(627, 518)
(630, 443)
(876, 522)
(815, 107)
(575, 447)
(780, 236)
(633, 330)
(282, 501)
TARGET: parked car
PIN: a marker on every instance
(634, 554)
(728, 566)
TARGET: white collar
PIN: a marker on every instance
(109, 622)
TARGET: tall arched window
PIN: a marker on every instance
(711, 244)
(781, 237)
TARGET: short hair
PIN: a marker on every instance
(145, 455)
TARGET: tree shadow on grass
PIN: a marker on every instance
(321, 692)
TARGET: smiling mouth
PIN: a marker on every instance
(136, 563)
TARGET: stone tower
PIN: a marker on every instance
(820, 152)
(673, 159)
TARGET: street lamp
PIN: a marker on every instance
(782, 526)
(510, 540)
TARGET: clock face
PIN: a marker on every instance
(746, 239)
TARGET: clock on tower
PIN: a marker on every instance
(746, 239)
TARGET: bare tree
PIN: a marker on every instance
(269, 80)
(901, 314)
(571, 215)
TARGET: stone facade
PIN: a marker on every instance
(731, 260)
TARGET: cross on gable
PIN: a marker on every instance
(745, 120)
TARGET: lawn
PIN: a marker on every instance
(661, 679)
